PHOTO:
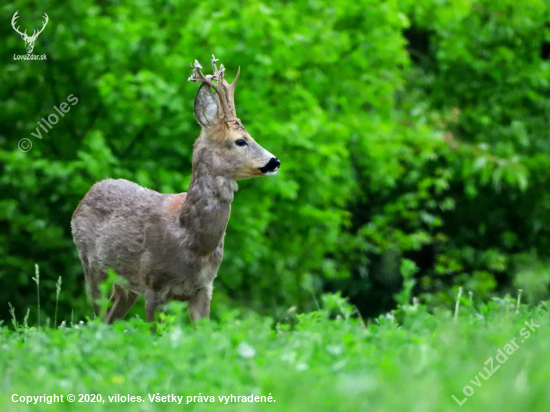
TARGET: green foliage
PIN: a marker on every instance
(409, 131)
(460, 193)
(326, 363)
(408, 269)
(484, 81)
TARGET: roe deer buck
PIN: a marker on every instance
(170, 246)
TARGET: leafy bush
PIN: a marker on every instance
(406, 129)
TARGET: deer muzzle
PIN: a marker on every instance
(272, 167)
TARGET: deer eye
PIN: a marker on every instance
(241, 142)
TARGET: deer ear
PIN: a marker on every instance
(206, 106)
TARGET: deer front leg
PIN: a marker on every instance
(199, 304)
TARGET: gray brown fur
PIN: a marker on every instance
(170, 246)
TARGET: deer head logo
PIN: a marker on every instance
(29, 40)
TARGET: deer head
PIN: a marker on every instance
(29, 40)
(224, 145)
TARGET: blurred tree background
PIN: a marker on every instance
(413, 135)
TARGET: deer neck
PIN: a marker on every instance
(206, 209)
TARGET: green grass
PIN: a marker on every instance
(326, 360)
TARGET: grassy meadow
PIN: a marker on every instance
(325, 360)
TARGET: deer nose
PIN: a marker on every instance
(271, 166)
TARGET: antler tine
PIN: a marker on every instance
(221, 72)
(214, 67)
(236, 79)
(197, 76)
(47, 19)
(14, 18)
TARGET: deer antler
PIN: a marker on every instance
(15, 17)
(34, 34)
(225, 92)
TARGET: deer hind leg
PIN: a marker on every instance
(92, 284)
(123, 300)
(199, 304)
(153, 300)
